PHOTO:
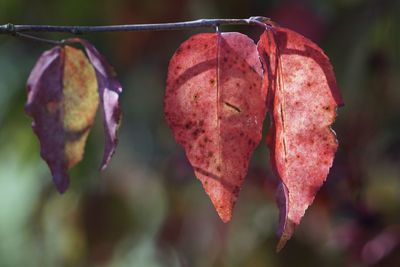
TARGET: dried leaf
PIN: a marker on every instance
(303, 97)
(62, 100)
(215, 107)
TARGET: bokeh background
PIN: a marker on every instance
(147, 209)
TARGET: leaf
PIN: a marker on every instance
(215, 107)
(62, 100)
(303, 97)
(109, 89)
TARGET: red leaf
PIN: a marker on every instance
(215, 107)
(303, 97)
(109, 89)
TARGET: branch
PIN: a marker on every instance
(201, 23)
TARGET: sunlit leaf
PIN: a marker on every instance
(303, 97)
(215, 107)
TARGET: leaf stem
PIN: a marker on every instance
(39, 39)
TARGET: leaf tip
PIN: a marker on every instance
(285, 235)
(286, 225)
(106, 159)
(224, 209)
(222, 202)
(225, 216)
(61, 182)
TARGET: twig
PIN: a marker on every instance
(201, 23)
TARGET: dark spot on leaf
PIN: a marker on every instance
(52, 106)
(232, 107)
(196, 133)
(236, 190)
(116, 114)
(188, 125)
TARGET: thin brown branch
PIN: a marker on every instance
(13, 29)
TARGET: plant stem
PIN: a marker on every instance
(201, 23)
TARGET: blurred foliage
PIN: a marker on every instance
(148, 209)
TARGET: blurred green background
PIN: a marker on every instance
(148, 209)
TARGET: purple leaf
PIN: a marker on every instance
(109, 90)
(62, 100)
(44, 92)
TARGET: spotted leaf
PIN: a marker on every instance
(302, 98)
(215, 107)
